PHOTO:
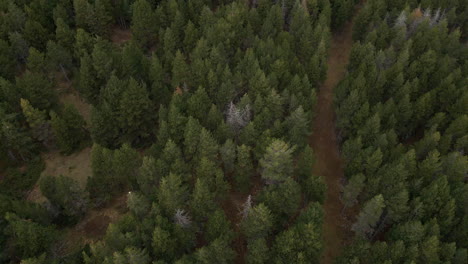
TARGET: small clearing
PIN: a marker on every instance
(92, 227)
(120, 36)
(76, 166)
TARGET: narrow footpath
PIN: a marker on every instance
(324, 142)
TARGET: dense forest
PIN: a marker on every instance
(402, 117)
(194, 119)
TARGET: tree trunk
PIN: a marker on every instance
(64, 73)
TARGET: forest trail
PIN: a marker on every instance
(324, 142)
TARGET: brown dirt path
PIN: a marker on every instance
(326, 147)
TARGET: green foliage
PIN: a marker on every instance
(28, 238)
(258, 223)
(66, 196)
(143, 20)
(134, 106)
(68, 129)
(277, 164)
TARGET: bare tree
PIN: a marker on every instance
(182, 219)
(237, 117)
(401, 20)
(245, 208)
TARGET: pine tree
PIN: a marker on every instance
(257, 252)
(37, 89)
(35, 61)
(202, 202)
(134, 119)
(191, 137)
(102, 18)
(180, 71)
(369, 216)
(217, 251)
(218, 226)
(64, 35)
(58, 58)
(277, 164)
(29, 238)
(282, 199)
(352, 190)
(68, 129)
(125, 164)
(298, 127)
(102, 62)
(244, 168)
(148, 177)
(65, 195)
(228, 155)
(82, 13)
(103, 128)
(199, 104)
(87, 85)
(258, 223)
(160, 93)
(37, 122)
(19, 46)
(84, 43)
(143, 21)
(134, 63)
(172, 193)
(7, 61)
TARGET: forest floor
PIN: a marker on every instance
(324, 142)
(92, 227)
(120, 36)
(77, 166)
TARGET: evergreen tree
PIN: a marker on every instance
(29, 238)
(218, 226)
(277, 164)
(38, 123)
(172, 193)
(143, 21)
(180, 71)
(217, 251)
(134, 119)
(228, 155)
(244, 168)
(65, 195)
(148, 177)
(37, 89)
(352, 190)
(258, 222)
(202, 202)
(68, 129)
(369, 216)
(257, 252)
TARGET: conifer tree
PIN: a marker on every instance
(37, 122)
(148, 177)
(172, 193)
(352, 190)
(68, 129)
(244, 168)
(134, 119)
(277, 164)
(202, 202)
(228, 155)
(65, 195)
(369, 216)
(218, 226)
(143, 21)
(258, 223)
